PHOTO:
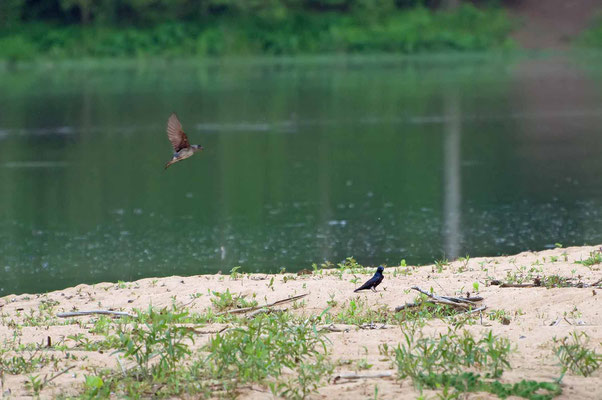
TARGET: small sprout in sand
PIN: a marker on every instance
(363, 364)
(499, 315)
(464, 263)
(440, 264)
(332, 302)
(234, 274)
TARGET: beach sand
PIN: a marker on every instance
(536, 316)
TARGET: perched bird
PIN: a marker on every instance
(373, 282)
(182, 149)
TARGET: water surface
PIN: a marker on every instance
(382, 160)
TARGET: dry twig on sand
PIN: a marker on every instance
(353, 376)
(542, 282)
(464, 303)
(247, 309)
(93, 312)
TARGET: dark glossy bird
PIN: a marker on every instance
(373, 282)
(182, 149)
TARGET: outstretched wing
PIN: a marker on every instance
(175, 134)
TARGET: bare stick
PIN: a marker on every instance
(467, 300)
(334, 328)
(356, 376)
(93, 312)
(476, 310)
(121, 366)
(247, 309)
(57, 375)
(517, 285)
(263, 311)
(406, 306)
(440, 299)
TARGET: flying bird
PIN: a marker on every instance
(373, 282)
(182, 149)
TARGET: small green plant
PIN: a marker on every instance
(227, 300)
(574, 355)
(234, 274)
(93, 386)
(595, 257)
(102, 325)
(35, 384)
(332, 302)
(499, 315)
(464, 263)
(156, 333)
(358, 312)
(363, 364)
(441, 264)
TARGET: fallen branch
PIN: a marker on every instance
(353, 376)
(463, 303)
(263, 311)
(372, 325)
(542, 282)
(406, 306)
(53, 377)
(476, 310)
(450, 301)
(93, 312)
(518, 285)
(335, 328)
(247, 309)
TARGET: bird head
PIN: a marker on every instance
(380, 269)
(197, 147)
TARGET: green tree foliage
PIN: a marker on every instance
(126, 28)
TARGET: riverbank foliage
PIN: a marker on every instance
(592, 37)
(185, 28)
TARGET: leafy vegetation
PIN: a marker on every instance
(274, 29)
(266, 348)
(227, 300)
(575, 356)
(454, 362)
(592, 37)
(595, 257)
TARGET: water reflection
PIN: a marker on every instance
(304, 162)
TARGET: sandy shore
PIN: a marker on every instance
(536, 316)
